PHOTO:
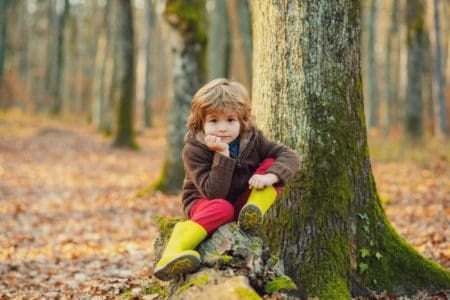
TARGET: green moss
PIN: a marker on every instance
(144, 191)
(126, 295)
(226, 259)
(246, 294)
(150, 289)
(165, 224)
(396, 266)
(200, 280)
(280, 283)
(188, 17)
(155, 288)
(255, 246)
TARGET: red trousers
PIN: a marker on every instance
(213, 213)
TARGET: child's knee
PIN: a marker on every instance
(224, 209)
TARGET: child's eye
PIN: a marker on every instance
(231, 120)
(212, 120)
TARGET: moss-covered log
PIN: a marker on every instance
(235, 266)
(188, 43)
(329, 227)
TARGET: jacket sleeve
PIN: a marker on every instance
(286, 162)
(211, 177)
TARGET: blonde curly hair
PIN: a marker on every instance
(220, 95)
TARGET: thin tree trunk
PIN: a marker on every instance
(149, 67)
(329, 225)
(416, 39)
(57, 81)
(241, 41)
(391, 81)
(3, 31)
(124, 74)
(107, 74)
(218, 40)
(373, 93)
(439, 77)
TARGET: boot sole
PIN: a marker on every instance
(178, 266)
(250, 218)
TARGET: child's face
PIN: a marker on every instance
(224, 124)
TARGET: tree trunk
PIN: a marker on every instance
(329, 225)
(107, 73)
(189, 72)
(149, 68)
(391, 68)
(3, 31)
(241, 41)
(218, 40)
(57, 81)
(440, 104)
(416, 39)
(123, 90)
(373, 93)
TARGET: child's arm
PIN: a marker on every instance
(210, 172)
(286, 162)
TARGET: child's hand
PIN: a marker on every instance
(259, 181)
(215, 143)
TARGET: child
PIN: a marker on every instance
(232, 173)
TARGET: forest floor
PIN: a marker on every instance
(73, 226)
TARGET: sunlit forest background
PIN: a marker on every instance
(80, 76)
(57, 57)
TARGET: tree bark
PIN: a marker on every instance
(441, 115)
(218, 50)
(189, 72)
(392, 68)
(149, 66)
(329, 225)
(373, 92)
(241, 41)
(57, 81)
(123, 90)
(3, 31)
(416, 39)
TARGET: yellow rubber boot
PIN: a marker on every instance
(258, 203)
(179, 257)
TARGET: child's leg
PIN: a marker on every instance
(211, 214)
(258, 202)
(179, 257)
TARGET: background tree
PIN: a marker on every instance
(329, 226)
(123, 88)
(416, 42)
(60, 18)
(241, 41)
(219, 44)
(3, 24)
(149, 69)
(438, 71)
(392, 67)
(372, 70)
(189, 38)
